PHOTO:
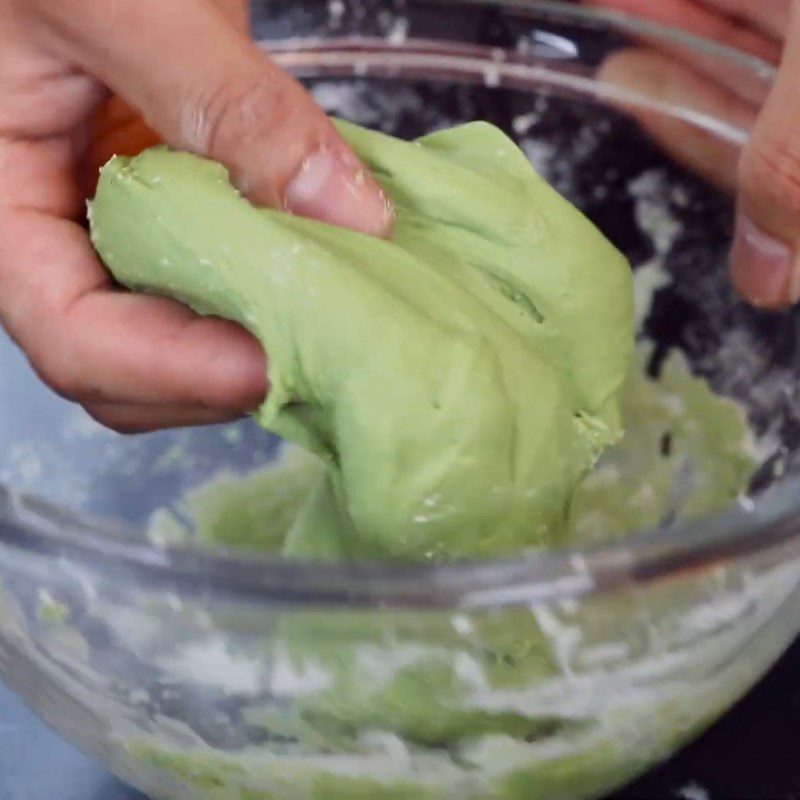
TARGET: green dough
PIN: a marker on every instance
(415, 676)
(458, 381)
(450, 392)
(685, 454)
(252, 512)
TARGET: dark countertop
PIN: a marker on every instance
(751, 754)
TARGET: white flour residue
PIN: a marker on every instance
(773, 394)
(290, 680)
(210, 663)
(354, 101)
(522, 123)
(647, 281)
(540, 153)
(398, 33)
(652, 192)
(692, 791)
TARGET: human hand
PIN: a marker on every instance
(139, 363)
(765, 260)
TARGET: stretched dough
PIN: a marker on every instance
(458, 381)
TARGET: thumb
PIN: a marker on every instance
(765, 260)
(206, 87)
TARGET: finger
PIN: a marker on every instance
(93, 344)
(207, 88)
(765, 261)
(237, 12)
(658, 77)
(118, 121)
(690, 16)
(119, 129)
(39, 96)
(134, 419)
(771, 16)
(33, 176)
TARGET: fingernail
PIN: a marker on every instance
(332, 186)
(763, 268)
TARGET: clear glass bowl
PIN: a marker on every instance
(200, 673)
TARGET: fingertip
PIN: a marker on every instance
(764, 270)
(232, 367)
(333, 186)
(134, 420)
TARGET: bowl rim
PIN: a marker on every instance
(767, 529)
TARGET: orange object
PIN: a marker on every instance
(117, 129)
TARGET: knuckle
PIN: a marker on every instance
(265, 114)
(256, 108)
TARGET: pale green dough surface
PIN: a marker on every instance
(458, 381)
(452, 390)
(685, 453)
